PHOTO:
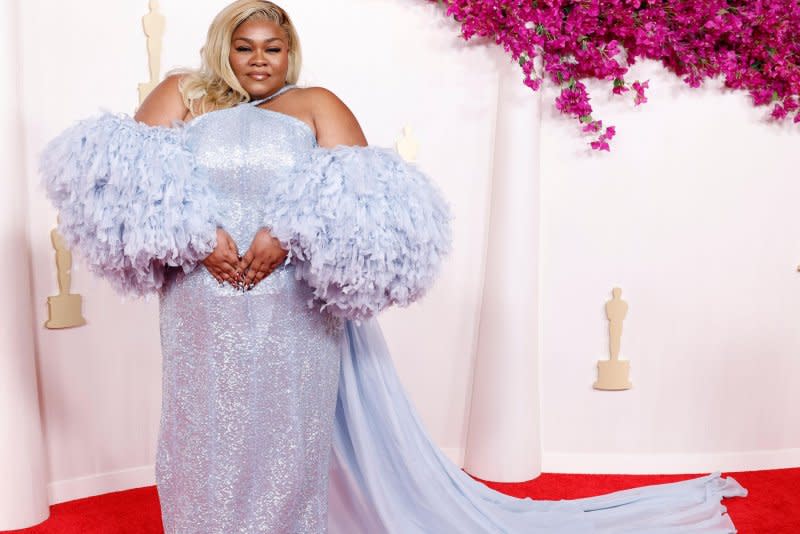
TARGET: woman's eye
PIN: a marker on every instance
(242, 49)
(273, 50)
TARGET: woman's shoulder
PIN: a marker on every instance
(322, 98)
(164, 105)
(335, 123)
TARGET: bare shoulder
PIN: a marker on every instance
(164, 104)
(334, 122)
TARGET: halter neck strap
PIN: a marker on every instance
(273, 95)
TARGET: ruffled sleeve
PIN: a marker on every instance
(131, 200)
(364, 228)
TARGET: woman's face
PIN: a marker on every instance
(259, 56)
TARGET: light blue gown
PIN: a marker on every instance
(279, 415)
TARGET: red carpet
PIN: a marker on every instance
(772, 506)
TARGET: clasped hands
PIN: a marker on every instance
(244, 272)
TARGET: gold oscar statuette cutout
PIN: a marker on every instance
(407, 146)
(613, 374)
(64, 309)
(153, 24)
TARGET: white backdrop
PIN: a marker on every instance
(691, 214)
(694, 216)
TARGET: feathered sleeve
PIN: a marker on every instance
(364, 228)
(131, 200)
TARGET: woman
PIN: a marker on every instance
(281, 409)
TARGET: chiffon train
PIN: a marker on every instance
(387, 476)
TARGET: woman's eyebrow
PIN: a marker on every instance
(251, 41)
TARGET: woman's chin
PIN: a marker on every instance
(261, 88)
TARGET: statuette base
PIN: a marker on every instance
(612, 375)
(64, 312)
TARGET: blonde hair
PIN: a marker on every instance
(214, 86)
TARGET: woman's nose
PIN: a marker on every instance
(259, 58)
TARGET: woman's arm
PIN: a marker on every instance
(335, 125)
(333, 120)
(163, 105)
(363, 227)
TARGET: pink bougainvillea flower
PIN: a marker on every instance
(574, 100)
(751, 45)
(593, 126)
(779, 112)
(619, 87)
(640, 88)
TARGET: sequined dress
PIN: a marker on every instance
(280, 417)
(249, 378)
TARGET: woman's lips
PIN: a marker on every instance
(258, 77)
